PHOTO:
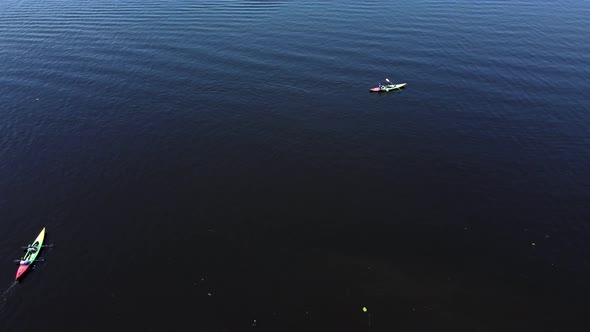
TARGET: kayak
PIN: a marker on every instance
(389, 87)
(30, 257)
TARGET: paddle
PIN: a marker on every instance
(43, 246)
(397, 86)
(388, 81)
(36, 260)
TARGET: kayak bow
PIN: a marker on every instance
(30, 256)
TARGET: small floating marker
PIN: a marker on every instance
(364, 309)
(533, 244)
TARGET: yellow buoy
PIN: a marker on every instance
(364, 309)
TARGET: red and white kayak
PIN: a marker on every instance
(31, 255)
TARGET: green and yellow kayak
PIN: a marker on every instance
(32, 252)
(386, 88)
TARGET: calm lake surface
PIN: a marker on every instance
(221, 165)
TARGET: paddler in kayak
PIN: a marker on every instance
(384, 87)
(31, 248)
(25, 261)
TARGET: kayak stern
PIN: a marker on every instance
(21, 270)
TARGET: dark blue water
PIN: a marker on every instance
(221, 166)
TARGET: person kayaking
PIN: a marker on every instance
(32, 249)
(25, 261)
